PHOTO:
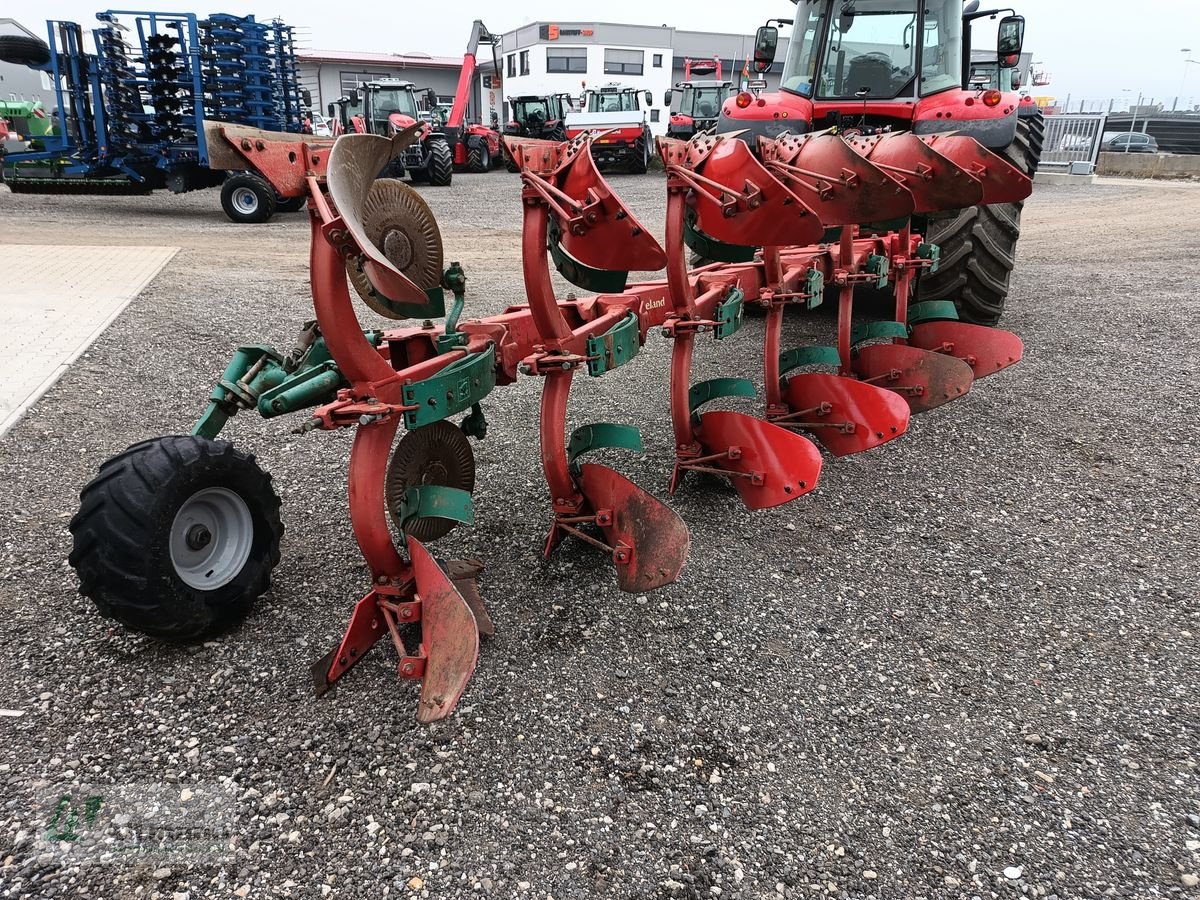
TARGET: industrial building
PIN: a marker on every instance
(542, 58)
(329, 74)
(552, 57)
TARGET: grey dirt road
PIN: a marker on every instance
(966, 665)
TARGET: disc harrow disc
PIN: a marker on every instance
(438, 453)
(400, 224)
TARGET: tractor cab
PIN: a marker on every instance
(535, 115)
(875, 49)
(612, 98)
(695, 106)
(378, 107)
(873, 66)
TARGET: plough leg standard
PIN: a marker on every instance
(176, 536)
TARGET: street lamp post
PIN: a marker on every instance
(1133, 121)
(1188, 61)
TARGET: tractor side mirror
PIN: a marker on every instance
(352, 96)
(650, 99)
(766, 40)
(667, 97)
(332, 110)
(430, 97)
(306, 98)
(1010, 37)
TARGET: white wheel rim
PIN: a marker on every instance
(245, 200)
(211, 538)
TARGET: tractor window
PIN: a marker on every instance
(385, 101)
(941, 47)
(530, 110)
(870, 50)
(702, 102)
(801, 63)
(611, 101)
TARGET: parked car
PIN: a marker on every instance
(1075, 143)
(1132, 143)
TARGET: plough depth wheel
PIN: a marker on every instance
(177, 536)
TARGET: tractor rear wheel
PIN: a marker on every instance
(479, 159)
(176, 537)
(23, 50)
(441, 163)
(979, 245)
(247, 198)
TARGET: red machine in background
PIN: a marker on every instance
(476, 147)
(696, 104)
(874, 67)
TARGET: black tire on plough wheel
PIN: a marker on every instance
(176, 537)
(979, 244)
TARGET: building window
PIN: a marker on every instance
(623, 62)
(566, 59)
(653, 114)
(524, 62)
(512, 65)
(658, 60)
(351, 80)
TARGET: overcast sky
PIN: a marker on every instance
(1093, 48)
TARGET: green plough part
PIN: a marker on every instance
(598, 281)
(705, 391)
(808, 356)
(814, 286)
(426, 501)
(869, 331)
(601, 435)
(311, 387)
(930, 251)
(272, 389)
(456, 280)
(932, 311)
(878, 266)
(615, 347)
(460, 385)
(729, 314)
(711, 248)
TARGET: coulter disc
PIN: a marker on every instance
(438, 453)
(401, 225)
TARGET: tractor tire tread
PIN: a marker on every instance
(979, 244)
(262, 189)
(23, 50)
(441, 164)
(121, 535)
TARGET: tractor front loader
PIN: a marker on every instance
(177, 536)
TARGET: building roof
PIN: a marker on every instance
(405, 60)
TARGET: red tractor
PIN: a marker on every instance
(386, 108)
(540, 116)
(868, 67)
(696, 104)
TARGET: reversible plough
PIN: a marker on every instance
(797, 219)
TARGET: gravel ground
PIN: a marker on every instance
(965, 666)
